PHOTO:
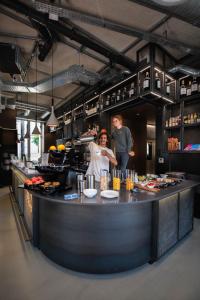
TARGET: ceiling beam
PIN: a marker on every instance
(73, 14)
(71, 33)
(61, 38)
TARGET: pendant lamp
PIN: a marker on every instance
(36, 130)
(52, 121)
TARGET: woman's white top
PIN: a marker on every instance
(98, 161)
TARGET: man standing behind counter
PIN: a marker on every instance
(100, 156)
(123, 143)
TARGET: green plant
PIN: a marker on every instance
(35, 140)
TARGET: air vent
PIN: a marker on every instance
(11, 60)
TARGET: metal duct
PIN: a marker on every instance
(169, 2)
(185, 70)
(72, 74)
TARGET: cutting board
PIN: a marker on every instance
(145, 188)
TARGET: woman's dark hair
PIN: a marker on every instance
(103, 133)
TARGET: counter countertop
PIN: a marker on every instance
(125, 197)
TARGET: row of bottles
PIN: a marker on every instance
(92, 108)
(67, 118)
(174, 144)
(173, 121)
(78, 113)
(192, 88)
(157, 84)
(191, 118)
(119, 96)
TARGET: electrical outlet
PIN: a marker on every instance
(161, 160)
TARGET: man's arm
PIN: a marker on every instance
(129, 142)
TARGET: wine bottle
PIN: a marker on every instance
(167, 86)
(118, 97)
(146, 82)
(132, 90)
(113, 98)
(189, 90)
(157, 81)
(183, 91)
(107, 103)
(194, 87)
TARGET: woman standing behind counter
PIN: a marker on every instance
(123, 143)
(100, 156)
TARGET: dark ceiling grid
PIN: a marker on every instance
(73, 14)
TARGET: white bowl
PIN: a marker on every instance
(90, 192)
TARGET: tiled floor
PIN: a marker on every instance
(26, 274)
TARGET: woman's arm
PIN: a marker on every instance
(111, 158)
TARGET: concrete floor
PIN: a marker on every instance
(26, 274)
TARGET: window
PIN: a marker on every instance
(32, 147)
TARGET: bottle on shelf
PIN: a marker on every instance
(113, 98)
(167, 86)
(124, 94)
(194, 87)
(195, 117)
(97, 105)
(118, 97)
(132, 90)
(157, 81)
(146, 82)
(183, 90)
(189, 89)
(107, 102)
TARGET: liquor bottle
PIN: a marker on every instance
(124, 94)
(132, 90)
(183, 91)
(157, 81)
(198, 117)
(118, 97)
(189, 90)
(97, 105)
(194, 86)
(146, 82)
(195, 117)
(113, 98)
(167, 85)
(107, 102)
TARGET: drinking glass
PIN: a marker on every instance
(116, 179)
(129, 179)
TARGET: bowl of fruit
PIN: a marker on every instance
(33, 183)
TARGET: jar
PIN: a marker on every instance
(116, 179)
(104, 180)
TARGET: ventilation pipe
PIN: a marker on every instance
(169, 2)
(185, 70)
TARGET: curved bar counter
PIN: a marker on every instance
(106, 236)
(98, 235)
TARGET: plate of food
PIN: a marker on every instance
(109, 194)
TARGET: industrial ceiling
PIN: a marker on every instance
(94, 36)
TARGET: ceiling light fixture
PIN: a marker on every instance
(52, 121)
(36, 130)
(169, 2)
